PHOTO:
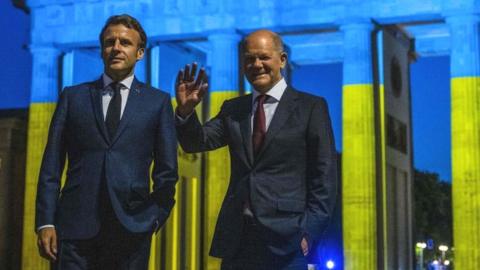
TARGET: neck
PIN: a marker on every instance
(266, 89)
(118, 76)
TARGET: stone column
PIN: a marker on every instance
(223, 84)
(44, 96)
(358, 157)
(156, 251)
(465, 94)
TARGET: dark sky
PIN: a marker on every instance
(430, 79)
(16, 65)
(429, 83)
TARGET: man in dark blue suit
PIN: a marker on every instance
(282, 186)
(110, 131)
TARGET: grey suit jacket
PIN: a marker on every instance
(291, 183)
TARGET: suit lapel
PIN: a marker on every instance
(96, 95)
(245, 126)
(285, 107)
(130, 108)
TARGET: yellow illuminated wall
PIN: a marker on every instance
(217, 179)
(465, 96)
(177, 245)
(359, 178)
(40, 115)
(172, 234)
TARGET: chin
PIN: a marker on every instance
(261, 85)
(116, 66)
(261, 88)
(116, 71)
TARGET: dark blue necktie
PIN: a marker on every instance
(114, 109)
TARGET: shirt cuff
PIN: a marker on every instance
(182, 120)
(45, 226)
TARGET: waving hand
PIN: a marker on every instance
(190, 90)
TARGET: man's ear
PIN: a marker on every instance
(140, 53)
(284, 59)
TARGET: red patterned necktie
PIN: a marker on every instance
(259, 124)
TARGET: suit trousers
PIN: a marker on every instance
(114, 247)
(254, 254)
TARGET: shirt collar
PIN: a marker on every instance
(276, 92)
(127, 82)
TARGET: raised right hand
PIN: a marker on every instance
(188, 90)
(47, 243)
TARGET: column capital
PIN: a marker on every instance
(356, 24)
(464, 44)
(357, 55)
(47, 50)
(223, 60)
(45, 64)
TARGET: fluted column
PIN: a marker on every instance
(224, 78)
(358, 157)
(156, 252)
(44, 96)
(465, 94)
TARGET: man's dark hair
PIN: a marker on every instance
(127, 21)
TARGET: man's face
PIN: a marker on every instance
(263, 62)
(120, 51)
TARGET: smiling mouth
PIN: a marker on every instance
(259, 76)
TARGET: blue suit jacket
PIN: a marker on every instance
(146, 133)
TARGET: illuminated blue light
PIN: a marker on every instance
(330, 264)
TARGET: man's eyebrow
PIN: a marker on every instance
(120, 38)
(256, 53)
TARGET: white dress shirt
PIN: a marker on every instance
(271, 103)
(107, 93)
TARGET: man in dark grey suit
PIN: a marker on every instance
(110, 130)
(283, 161)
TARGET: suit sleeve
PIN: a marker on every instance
(164, 174)
(321, 172)
(52, 166)
(193, 137)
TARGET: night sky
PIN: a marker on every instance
(15, 59)
(430, 86)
